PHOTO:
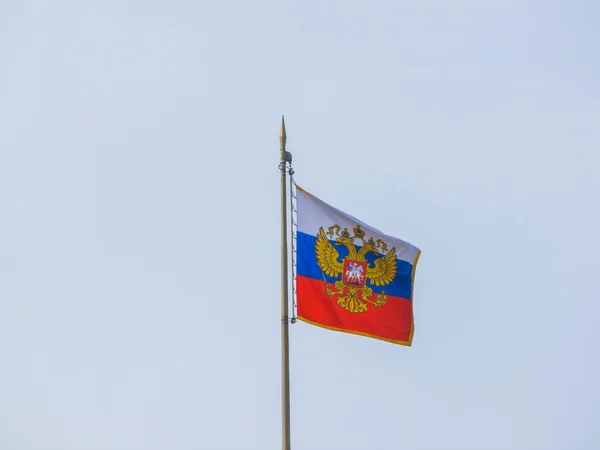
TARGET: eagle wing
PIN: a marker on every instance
(327, 256)
(384, 270)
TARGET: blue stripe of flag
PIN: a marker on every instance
(307, 266)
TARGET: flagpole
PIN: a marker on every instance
(286, 157)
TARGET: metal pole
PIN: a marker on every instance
(286, 158)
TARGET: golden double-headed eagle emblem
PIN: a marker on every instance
(351, 291)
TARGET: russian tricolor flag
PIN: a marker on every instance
(352, 277)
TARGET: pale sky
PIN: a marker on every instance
(139, 221)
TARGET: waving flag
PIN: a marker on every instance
(350, 276)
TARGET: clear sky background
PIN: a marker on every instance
(139, 221)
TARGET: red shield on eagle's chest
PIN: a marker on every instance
(354, 273)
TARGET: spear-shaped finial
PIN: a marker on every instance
(282, 135)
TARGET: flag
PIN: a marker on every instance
(351, 277)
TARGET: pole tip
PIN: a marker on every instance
(282, 135)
